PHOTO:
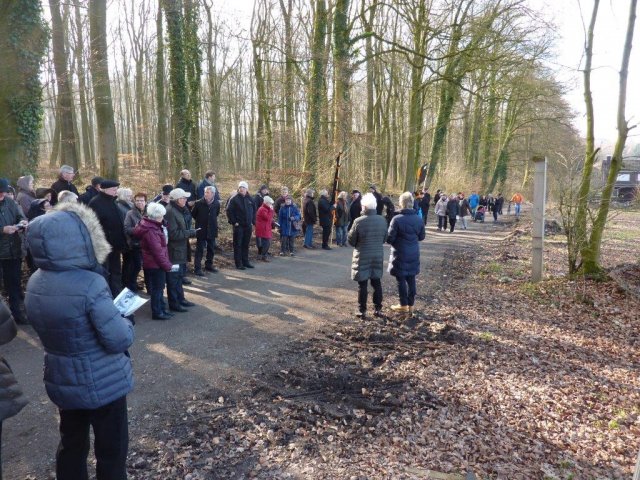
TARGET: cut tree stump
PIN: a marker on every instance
(426, 474)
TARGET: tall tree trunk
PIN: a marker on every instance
(591, 252)
(193, 69)
(177, 77)
(315, 95)
(214, 92)
(342, 71)
(289, 143)
(161, 133)
(99, 66)
(68, 151)
(87, 130)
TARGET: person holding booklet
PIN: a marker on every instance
(86, 339)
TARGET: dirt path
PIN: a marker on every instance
(242, 317)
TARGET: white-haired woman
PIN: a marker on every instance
(67, 196)
(155, 256)
(405, 231)
(368, 234)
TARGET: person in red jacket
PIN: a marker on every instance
(155, 256)
(264, 221)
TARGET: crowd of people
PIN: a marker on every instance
(82, 250)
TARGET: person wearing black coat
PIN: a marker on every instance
(63, 183)
(379, 205)
(240, 213)
(453, 210)
(112, 221)
(405, 231)
(437, 196)
(355, 209)
(205, 213)
(391, 209)
(325, 218)
(187, 184)
(309, 218)
(424, 204)
(91, 191)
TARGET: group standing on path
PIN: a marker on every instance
(83, 249)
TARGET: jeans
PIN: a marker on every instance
(175, 291)
(131, 266)
(201, 245)
(263, 245)
(407, 289)
(114, 269)
(442, 222)
(157, 279)
(286, 243)
(425, 214)
(377, 294)
(463, 220)
(111, 432)
(452, 223)
(11, 279)
(495, 215)
(517, 209)
(241, 241)
(341, 234)
(308, 236)
(326, 233)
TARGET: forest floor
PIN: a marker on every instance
(494, 375)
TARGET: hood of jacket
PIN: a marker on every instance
(67, 238)
(23, 184)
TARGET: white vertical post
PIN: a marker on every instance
(537, 232)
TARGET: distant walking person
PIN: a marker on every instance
(517, 201)
(441, 211)
(453, 210)
(368, 235)
(405, 231)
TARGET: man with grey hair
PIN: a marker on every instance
(325, 217)
(205, 213)
(405, 231)
(368, 234)
(67, 196)
(240, 213)
(284, 190)
(64, 182)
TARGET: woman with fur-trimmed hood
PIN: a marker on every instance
(87, 370)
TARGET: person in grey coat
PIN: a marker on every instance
(88, 371)
(12, 399)
(368, 234)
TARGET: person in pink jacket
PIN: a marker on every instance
(264, 221)
(155, 257)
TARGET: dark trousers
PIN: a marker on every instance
(495, 215)
(286, 244)
(114, 270)
(175, 292)
(111, 432)
(326, 233)
(11, 280)
(442, 222)
(452, 223)
(425, 213)
(131, 266)
(377, 294)
(241, 241)
(201, 246)
(263, 246)
(157, 279)
(407, 289)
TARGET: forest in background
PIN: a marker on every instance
(461, 86)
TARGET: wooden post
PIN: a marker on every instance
(537, 231)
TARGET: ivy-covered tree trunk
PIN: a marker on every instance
(342, 72)
(161, 133)
(486, 139)
(193, 64)
(99, 64)
(68, 146)
(177, 78)
(289, 134)
(315, 95)
(23, 40)
(215, 110)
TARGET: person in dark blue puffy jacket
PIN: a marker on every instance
(87, 370)
(405, 231)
